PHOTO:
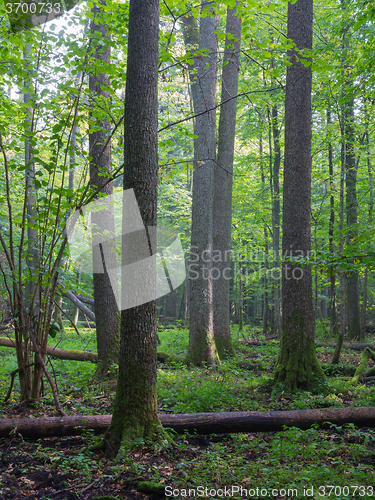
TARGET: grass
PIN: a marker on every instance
(314, 463)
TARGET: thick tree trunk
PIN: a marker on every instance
(106, 312)
(202, 423)
(135, 407)
(223, 187)
(297, 366)
(202, 347)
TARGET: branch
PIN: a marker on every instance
(217, 106)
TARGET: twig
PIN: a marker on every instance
(217, 106)
(65, 314)
(12, 375)
(49, 378)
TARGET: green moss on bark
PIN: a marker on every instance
(225, 348)
(297, 366)
(203, 352)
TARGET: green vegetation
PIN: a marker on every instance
(294, 459)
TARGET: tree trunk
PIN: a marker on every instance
(106, 312)
(29, 389)
(58, 314)
(202, 423)
(202, 347)
(370, 210)
(266, 248)
(135, 407)
(276, 219)
(367, 354)
(342, 330)
(352, 286)
(333, 319)
(297, 366)
(222, 223)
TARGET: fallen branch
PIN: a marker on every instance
(348, 345)
(76, 355)
(79, 304)
(203, 423)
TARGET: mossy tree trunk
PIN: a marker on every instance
(106, 312)
(135, 407)
(223, 186)
(297, 366)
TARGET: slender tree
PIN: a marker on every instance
(106, 312)
(135, 407)
(333, 319)
(223, 185)
(352, 285)
(276, 218)
(297, 365)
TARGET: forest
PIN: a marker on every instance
(187, 299)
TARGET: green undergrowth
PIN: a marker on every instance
(294, 459)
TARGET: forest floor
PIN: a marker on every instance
(336, 463)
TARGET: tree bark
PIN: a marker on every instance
(297, 366)
(222, 218)
(202, 423)
(370, 211)
(106, 312)
(276, 217)
(342, 289)
(333, 319)
(202, 347)
(135, 407)
(352, 287)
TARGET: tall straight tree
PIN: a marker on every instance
(223, 184)
(275, 185)
(297, 365)
(352, 286)
(201, 336)
(135, 407)
(106, 312)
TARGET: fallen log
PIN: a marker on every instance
(79, 304)
(203, 423)
(76, 355)
(348, 345)
(73, 355)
